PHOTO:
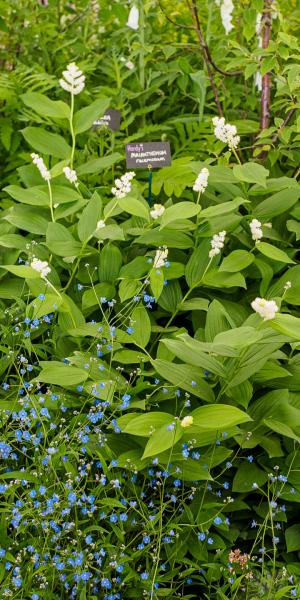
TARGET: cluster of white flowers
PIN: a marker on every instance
(38, 161)
(73, 80)
(160, 258)
(187, 421)
(226, 10)
(123, 185)
(225, 132)
(257, 76)
(267, 309)
(41, 266)
(95, 8)
(256, 230)
(201, 182)
(71, 175)
(101, 224)
(133, 18)
(157, 211)
(217, 243)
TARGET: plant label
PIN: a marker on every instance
(111, 119)
(148, 154)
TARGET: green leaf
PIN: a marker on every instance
(61, 242)
(292, 538)
(134, 207)
(178, 211)
(169, 238)
(218, 417)
(277, 204)
(223, 208)
(129, 288)
(186, 377)
(57, 373)
(238, 337)
(145, 425)
(37, 308)
(273, 252)
(46, 107)
(197, 264)
(27, 219)
(214, 278)
(47, 143)
(246, 475)
(192, 355)
(287, 325)
(236, 261)
(84, 118)
(156, 282)
(89, 218)
(22, 271)
(98, 164)
(162, 440)
(110, 263)
(92, 296)
(281, 428)
(141, 326)
(251, 172)
(34, 195)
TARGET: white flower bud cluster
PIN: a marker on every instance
(101, 224)
(38, 161)
(256, 230)
(226, 133)
(73, 80)
(71, 175)
(157, 211)
(123, 185)
(160, 258)
(187, 421)
(201, 182)
(217, 243)
(267, 309)
(41, 266)
(226, 10)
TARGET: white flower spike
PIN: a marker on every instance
(38, 161)
(217, 243)
(201, 182)
(226, 133)
(160, 258)
(71, 175)
(73, 80)
(256, 230)
(123, 185)
(226, 10)
(133, 18)
(267, 309)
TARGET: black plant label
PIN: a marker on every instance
(148, 155)
(111, 119)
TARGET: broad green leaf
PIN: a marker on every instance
(91, 297)
(134, 207)
(163, 439)
(238, 337)
(218, 417)
(37, 308)
(22, 271)
(223, 208)
(273, 252)
(46, 107)
(277, 204)
(171, 296)
(85, 117)
(197, 264)
(145, 425)
(156, 282)
(89, 218)
(178, 211)
(61, 242)
(197, 358)
(129, 288)
(34, 195)
(69, 315)
(214, 278)
(169, 238)
(287, 325)
(292, 538)
(47, 143)
(195, 304)
(251, 172)
(57, 373)
(190, 470)
(247, 475)
(236, 261)
(141, 326)
(281, 428)
(110, 263)
(186, 377)
(130, 357)
(98, 164)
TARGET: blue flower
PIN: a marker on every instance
(217, 521)
(144, 575)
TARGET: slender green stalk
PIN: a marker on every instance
(51, 201)
(72, 131)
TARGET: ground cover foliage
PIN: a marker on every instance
(150, 366)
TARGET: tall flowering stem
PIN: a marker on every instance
(266, 80)
(72, 81)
